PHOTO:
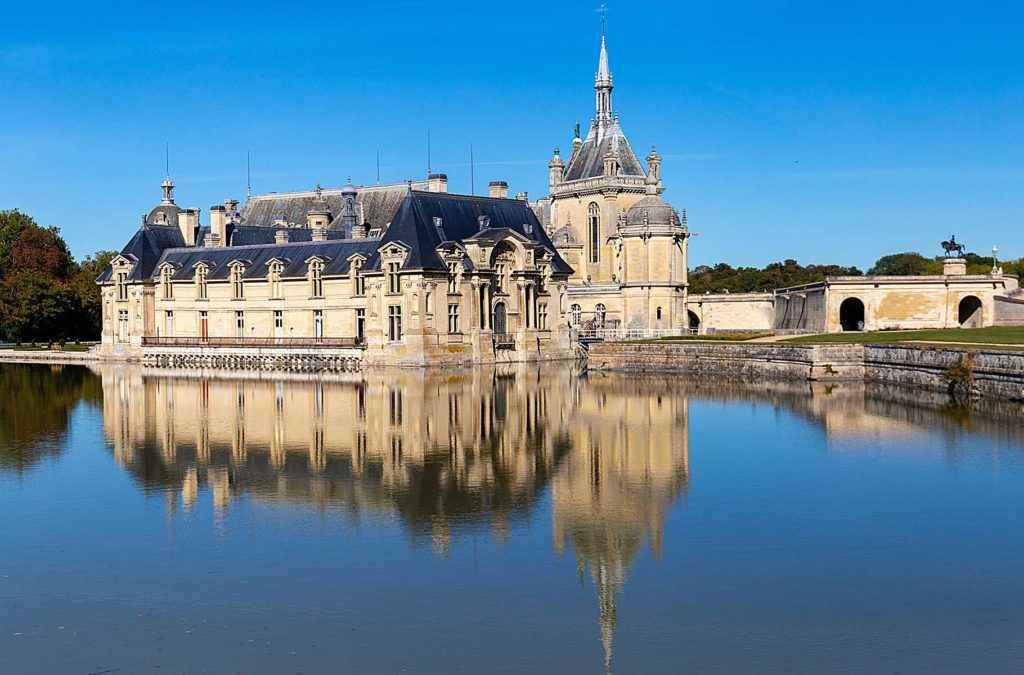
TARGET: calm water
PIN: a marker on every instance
(506, 521)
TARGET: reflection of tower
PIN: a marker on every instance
(628, 464)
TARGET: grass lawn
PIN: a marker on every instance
(719, 337)
(44, 348)
(980, 336)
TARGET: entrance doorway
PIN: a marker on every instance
(969, 313)
(851, 315)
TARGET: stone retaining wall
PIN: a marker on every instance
(997, 374)
(46, 356)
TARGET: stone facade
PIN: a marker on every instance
(892, 303)
(447, 279)
(994, 373)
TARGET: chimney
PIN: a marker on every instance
(218, 225)
(437, 182)
(188, 221)
(319, 234)
(498, 189)
(485, 222)
(281, 237)
(360, 231)
(522, 196)
(212, 240)
(231, 208)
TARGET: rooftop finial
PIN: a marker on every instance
(604, 18)
(603, 80)
(248, 176)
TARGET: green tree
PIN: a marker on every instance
(89, 322)
(905, 264)
(35, 307)
(12, 224)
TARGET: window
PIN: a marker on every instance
(599, 313)
(275, 280)
(239, 325)
(278, 324)
(360, 324)
(358, 281)
(318, 324)
(453, 318)
(543, 280)
(394, 323)
(542, 316)
(594, 230)
(200, 280)
(453, 277)
(576, 315)
(204, 325)
(168, 324)
(166, 287)
(237, 291)
(122, 325)
(659, 314)
(394, 279)
(316, 279)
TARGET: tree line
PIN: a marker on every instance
(722, 277)
(45, 294)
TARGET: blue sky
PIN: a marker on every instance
(821, 131)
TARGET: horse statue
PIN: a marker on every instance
(951, 246)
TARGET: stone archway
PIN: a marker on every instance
(693, 321)
(851, 315)
(969, 313)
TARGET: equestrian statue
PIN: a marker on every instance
(952, 247)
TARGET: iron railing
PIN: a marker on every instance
(504, 340)
(613, 334)
(287, 342)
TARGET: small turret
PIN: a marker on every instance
(349, 215)
(654, 166)
(556, 169)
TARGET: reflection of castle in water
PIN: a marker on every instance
(445, 453)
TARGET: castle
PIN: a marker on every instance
(411, 274)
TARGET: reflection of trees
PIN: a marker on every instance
(35, 410)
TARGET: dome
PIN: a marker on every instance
(652, 210)
(349, 189)
(566, 236)
(164, 214)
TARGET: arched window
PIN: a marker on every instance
(599, 313)
(316, 279)
(576, 315)
(594, 231)
(237, 291)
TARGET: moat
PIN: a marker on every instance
(515, 519)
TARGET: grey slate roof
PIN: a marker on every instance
(589, 162)
(256, 258)
(413, 225)
(378, 204)
(145, 247)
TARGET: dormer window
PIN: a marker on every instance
(166, 287)
(237, 288)
(453, 277)
(200, 280)
(274, 279)
(358, 280)
(121, 282)
(394, 277)
(316, 279)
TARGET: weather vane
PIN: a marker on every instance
(604, 10)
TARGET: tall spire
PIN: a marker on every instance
(168, 185)
(603, 83)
